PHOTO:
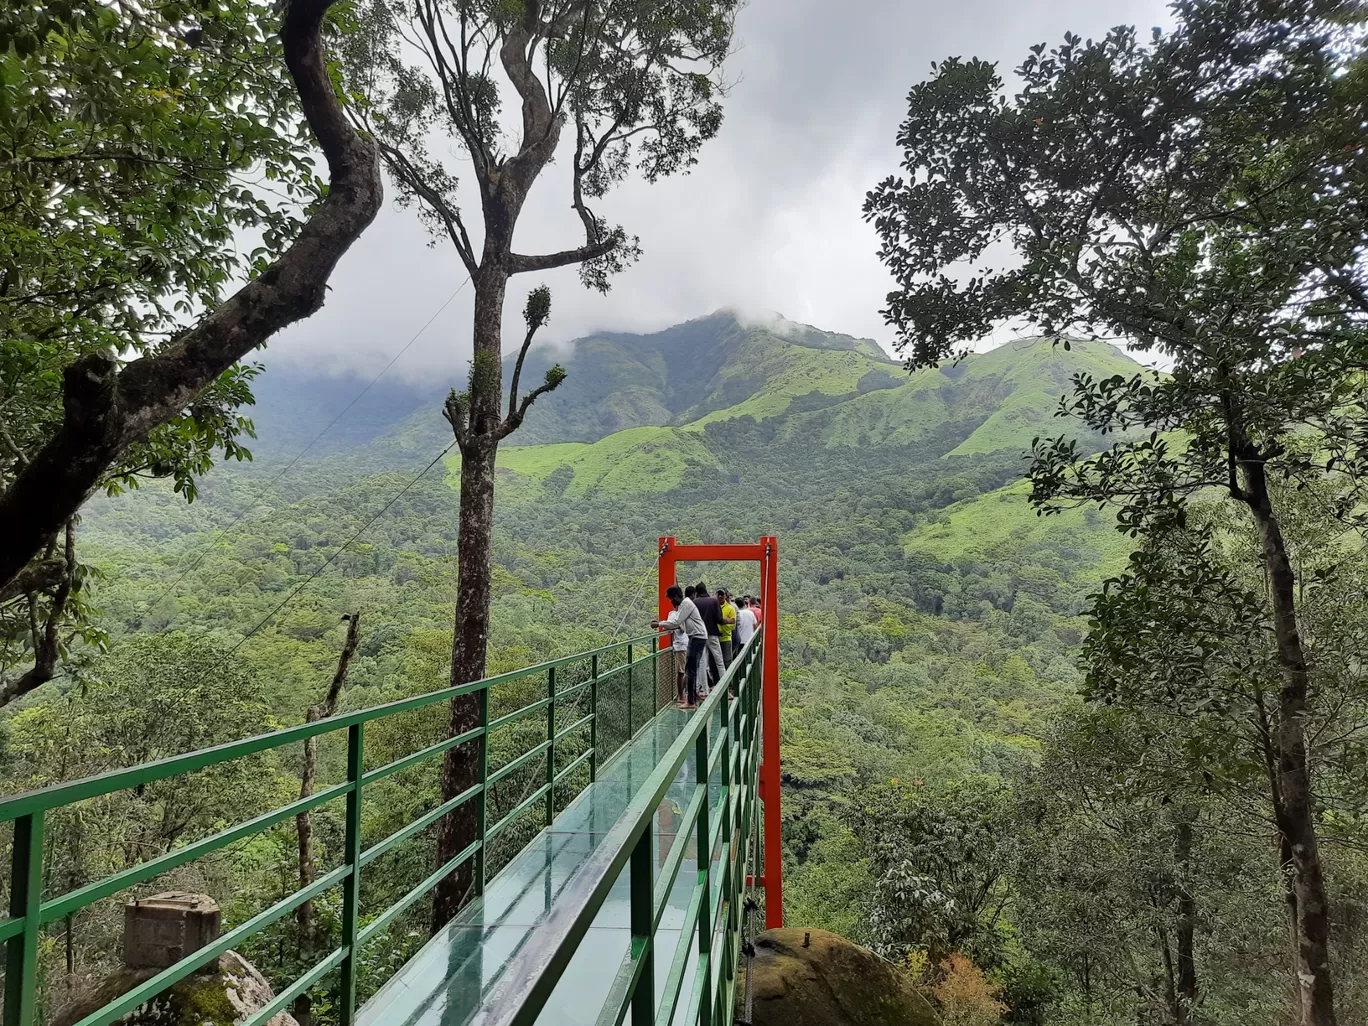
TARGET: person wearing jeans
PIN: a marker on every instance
(686, 620)
(710, 609)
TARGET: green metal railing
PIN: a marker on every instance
(606, 728)
(725, 734)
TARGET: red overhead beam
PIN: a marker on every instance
(703, 553)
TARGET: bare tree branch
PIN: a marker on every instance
(514, 420)
(518, 263)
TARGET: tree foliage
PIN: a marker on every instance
(1201, 196)
(940, 859)
(141, 145)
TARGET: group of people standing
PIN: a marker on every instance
(708, 630)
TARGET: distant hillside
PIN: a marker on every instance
(999, 521)
(616, 381)
(803, 399)
(706, 369)
(690, 411)
(1005, 396)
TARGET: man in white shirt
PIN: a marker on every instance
(679, 645)
(687, 624)
(745, 622)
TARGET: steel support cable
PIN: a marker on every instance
(341, 548)
(270, 485)
(636, 595)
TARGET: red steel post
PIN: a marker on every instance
(767, 553)
(666, 548)
(769, 722)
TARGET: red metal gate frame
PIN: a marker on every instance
(766, 553)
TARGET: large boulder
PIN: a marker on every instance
(815, 978)
(223, 997)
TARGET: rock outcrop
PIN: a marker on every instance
(224, 997)
(828, 981)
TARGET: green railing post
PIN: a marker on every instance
(630, 688)
(642, 916)
(351, 886)
(704, 846)
(482, 799)
(593, 723)
(26, 894)
(730, 722)
(550, 745)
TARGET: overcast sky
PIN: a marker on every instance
(769, 220)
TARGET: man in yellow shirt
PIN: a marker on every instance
(727, 625)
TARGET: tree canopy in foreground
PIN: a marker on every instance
(1201, 195)
(140, 144)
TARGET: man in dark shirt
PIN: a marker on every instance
(711, 610)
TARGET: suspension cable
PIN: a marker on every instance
(637, 594)
(270, 485)
(339, 550)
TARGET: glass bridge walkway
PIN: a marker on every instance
(608, 911)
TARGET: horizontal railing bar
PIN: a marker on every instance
(669, 871)
(390, 768)
(518, 810)
(715, 822)
(532, 974)
(140, 994)
(518, 714)
(58, 907)
(716, 753)
(55, 795)
(521, 760)
(674, 982)
(607, 675)
(421, 823)
(563, 660)
(582, 722)
(394, 911)
(277, 1004)
(715, 909)
(574, 765)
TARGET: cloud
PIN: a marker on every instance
(768, 220)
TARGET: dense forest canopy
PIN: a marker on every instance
(1073, 700)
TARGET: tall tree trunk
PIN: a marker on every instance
(308, 776)
(470, 641)
(1294, 814)
(1186, 926)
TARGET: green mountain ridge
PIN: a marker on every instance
(691, 372)
(834, 397)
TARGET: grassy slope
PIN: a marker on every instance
(688, 371)
(1012, 392)
(1030, 379)
(1001, 520)
(789, 371)
(638, 460)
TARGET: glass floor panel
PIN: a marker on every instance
(443, 984)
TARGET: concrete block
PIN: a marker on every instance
(161, 930)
